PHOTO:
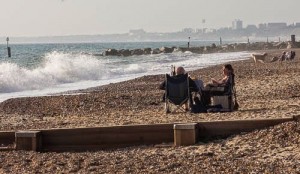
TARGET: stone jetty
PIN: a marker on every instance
(204, 49)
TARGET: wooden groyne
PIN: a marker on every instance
(90, 139)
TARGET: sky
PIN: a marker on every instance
(32, 18)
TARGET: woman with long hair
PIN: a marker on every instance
(228, 73)
(220, 87)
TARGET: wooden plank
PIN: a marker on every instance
(81, 139)
(7, 137)
(108, 138)
(226, 128)
(102, 137)
(296, 117)
(80, 148)
(126, 128)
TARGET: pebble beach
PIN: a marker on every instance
(264, 90)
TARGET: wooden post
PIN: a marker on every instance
(28, 140)
(8, 48)
(293, 39)
(185, 134)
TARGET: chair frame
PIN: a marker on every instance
(231, 93)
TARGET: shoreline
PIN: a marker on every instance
(138, 100)
(114, 75)
(90, 89)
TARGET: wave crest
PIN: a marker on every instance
(58, 68)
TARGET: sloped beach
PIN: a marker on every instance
(269, 90)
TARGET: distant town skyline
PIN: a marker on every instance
(33, 18)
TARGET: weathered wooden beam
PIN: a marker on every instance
(107, 137)
(7, 137)
(82, 139)
(208, 129)
(296, 117)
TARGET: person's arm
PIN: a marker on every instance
(219, 82)
(214, 81)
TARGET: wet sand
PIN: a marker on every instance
(269, 90)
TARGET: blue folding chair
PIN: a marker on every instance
(177, 93)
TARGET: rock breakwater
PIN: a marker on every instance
(204, 49)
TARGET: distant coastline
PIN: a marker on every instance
(150, 37)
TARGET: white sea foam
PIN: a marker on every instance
(61, 71)
(57, 68)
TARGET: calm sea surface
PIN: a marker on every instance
(44, 69)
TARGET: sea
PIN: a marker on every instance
(50, 68)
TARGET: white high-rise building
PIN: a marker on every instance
(237, 24)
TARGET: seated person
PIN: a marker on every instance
(283, 56)
(293, 54)
(179, 72)
(290, 55)
(226, 82)
(228, 73)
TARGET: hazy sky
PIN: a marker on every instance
(75, 17)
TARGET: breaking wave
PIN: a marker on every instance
(61, 71)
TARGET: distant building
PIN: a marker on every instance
(251, 27)
(237, 24)
(199, 30)
(297, 24)
(278, 25)
(188, 30)
(262, 26)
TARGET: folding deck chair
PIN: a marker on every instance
(177, 93)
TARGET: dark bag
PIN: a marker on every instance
(215, 108)
(198, 107)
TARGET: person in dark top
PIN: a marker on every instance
(226, 83)
(179, 72)
(192, 85)
(228, 73)
(283, 56)
(290, 55)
